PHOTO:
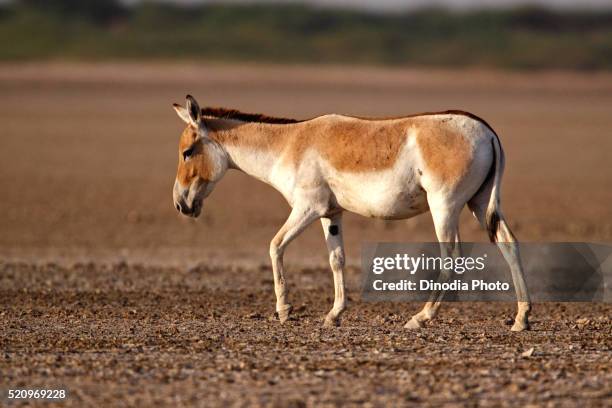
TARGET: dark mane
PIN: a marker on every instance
(223, 113)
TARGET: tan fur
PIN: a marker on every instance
(198, 166)
(348, 144)
(445, 152)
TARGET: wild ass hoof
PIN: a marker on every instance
(413, 324)
(283, 314)
(331, 321)
(519, 326)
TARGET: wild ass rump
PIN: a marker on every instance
(384, 168)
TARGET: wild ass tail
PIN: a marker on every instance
(492, 217)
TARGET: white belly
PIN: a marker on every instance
(379, 195)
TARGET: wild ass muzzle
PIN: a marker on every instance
(389, 168)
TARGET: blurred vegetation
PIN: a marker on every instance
(523, 38)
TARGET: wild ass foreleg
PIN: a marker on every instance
(446, 222)
(332, 228)
(298, 220)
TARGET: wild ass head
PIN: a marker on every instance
(202, 162)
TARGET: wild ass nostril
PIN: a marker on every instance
(178, 207)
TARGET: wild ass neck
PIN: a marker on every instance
(251, 147)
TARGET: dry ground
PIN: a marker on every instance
(145, 336)
(106, 291)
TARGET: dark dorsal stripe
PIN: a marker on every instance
(223, 113)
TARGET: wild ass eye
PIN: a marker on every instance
(187, 153)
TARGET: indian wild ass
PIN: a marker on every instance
(389, 168)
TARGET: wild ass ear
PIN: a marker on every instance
(192, 115)
(195, 114)
(182, 113)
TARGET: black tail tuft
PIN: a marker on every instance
(493, 220)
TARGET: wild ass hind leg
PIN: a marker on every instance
(446, 223)
(332, 228)
(298, 220)
(509, 248)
